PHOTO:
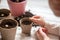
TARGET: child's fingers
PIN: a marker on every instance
(42, 31)
(36, 17)
(45, 30)
(33, 19)
(38, 35)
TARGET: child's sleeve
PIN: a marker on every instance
(53, 29)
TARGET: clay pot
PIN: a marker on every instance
(17, 8)
(55, 6)
(8, 29)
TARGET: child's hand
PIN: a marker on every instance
(38, 20)
(41, 33)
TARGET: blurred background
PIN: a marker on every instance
(38, 7)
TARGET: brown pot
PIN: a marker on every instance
(26, 25)
(4, 13)
(55, 6)
(8, 29)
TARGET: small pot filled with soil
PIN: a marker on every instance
(4, 13)
(8, 29)
(17, 7)
(26, 25)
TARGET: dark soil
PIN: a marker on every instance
(5, 12)
(11, 23)
(26, 22)
(19, 0)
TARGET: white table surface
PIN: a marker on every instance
(41, 8)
